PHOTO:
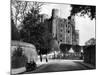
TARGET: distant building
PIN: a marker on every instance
(63, 30)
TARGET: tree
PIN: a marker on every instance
(65, 47)
(14, 31)
(18, 9)
(36, 32)
(76, 48)
(18, 59)
(91, 41)
(84, 9)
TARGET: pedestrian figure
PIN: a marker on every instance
(46, 59)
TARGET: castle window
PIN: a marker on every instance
(61, 25)
(60, 40)
(66, 25)
(68, 22)
(68, 31)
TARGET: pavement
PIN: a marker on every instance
(60, 65)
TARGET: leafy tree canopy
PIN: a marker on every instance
(84, 9)
(36, 32)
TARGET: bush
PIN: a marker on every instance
(30, 66)
(18, 59)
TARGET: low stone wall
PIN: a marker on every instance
(21, 55)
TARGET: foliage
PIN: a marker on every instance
(18, 59)
(65, 47)
(84, 9)
(92, 41)
(54, 45)
(18, 52)
(19, 9)
(76, 48)
(14, 31)
(34, 31)
(31, 66)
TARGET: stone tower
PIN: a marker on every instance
(54, 21)
(63, 30)
(77, 37)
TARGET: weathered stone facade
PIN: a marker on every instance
(63, 30)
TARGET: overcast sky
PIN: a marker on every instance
(85, 26)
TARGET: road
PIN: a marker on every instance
(60, 65)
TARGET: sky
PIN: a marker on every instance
(85, 25)
(63, 8)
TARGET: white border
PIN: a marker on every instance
(5, 37)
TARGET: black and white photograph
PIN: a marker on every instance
(52, 37)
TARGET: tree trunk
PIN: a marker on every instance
(40, 57)
(46, 58)
(54, 55)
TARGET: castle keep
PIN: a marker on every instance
(63, 30)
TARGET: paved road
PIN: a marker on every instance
(60, 65)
